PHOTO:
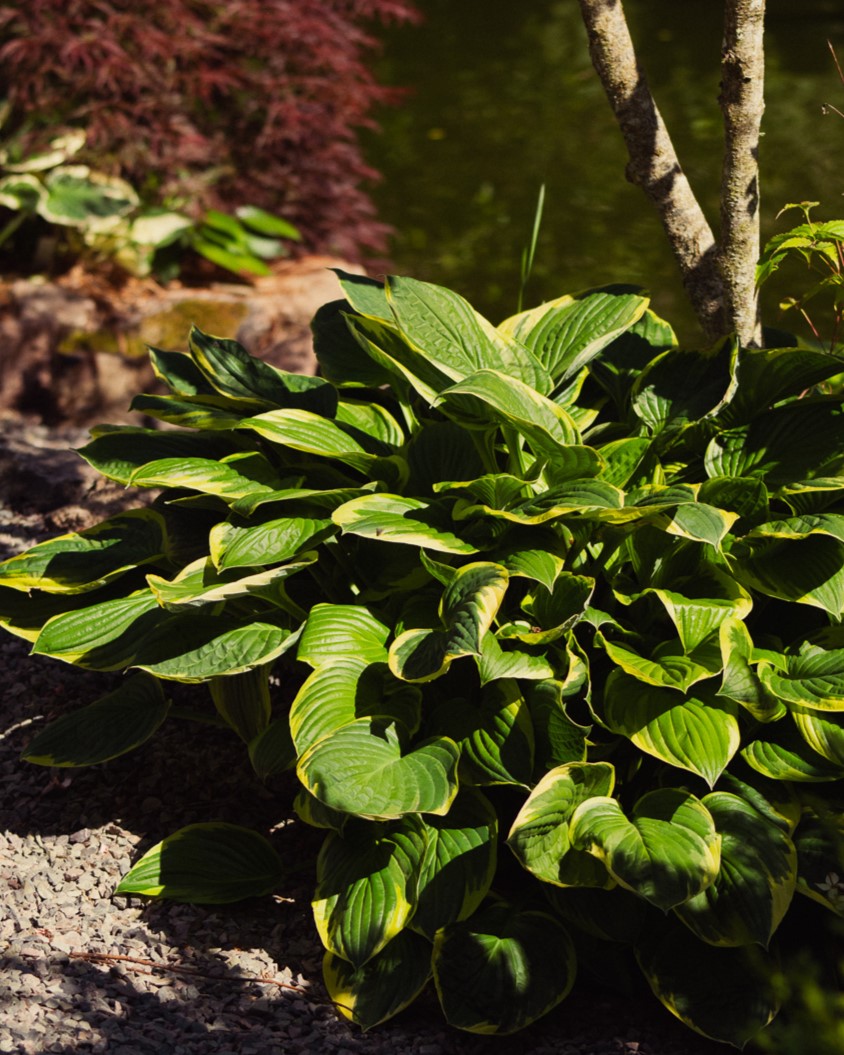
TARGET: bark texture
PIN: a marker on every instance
(654, 165)
(742, 104)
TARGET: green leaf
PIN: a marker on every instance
(393, 518)
(665, 670)
(540, 565)
(823, 732)
(235, 544)
(85, 560)
(345, 689)
(740, 681)
(116, 723)
(539, 836)
(266, 223)
(199, 585)
(589, 499)
(361, 768)
(333, 630)
(698, 732)
(814, 679)
(384, 985)
(365, 885)
(781, 753)
(241, 475)
(272, 751)
(767, 375)
(567, 333)
(459, 862)
(79, 197)
(198, 647)
(338, 348)
(494, 734)
(559, 739)
(468, 606)
(809, 571)
(607, 914)
(206, 864)
(701, 605)
(819, 839)
(622, 459)
(666, 852)
(119, 451)
(502, 969)
(489, 396)
(450, 334)
(725, 994)
(301, 430)
(198, 412)
(682, 386)
(552, 613)
(500, 659)
(755, 884)
(243, 701)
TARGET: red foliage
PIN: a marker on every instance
(202, 103)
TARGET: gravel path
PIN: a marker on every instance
(83, 972)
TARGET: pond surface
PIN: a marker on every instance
(503, 99)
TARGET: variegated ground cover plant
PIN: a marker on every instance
(559, 607)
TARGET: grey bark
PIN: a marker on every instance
(718, 279)
(742, 104)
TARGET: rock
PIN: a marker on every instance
(74, 350)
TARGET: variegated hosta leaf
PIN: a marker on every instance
(373, 421)
(754, 887)
(701, 605)
(384, 985)
(741, 682)
(333, 630)
(116, 723)
(366, 886)
(798, 527)
(552, 613)
(767, 375)
(393, 518)
(814, 679)
(539, 836)
(181, 374)
(503, 660)
(243, 701)
(622, 458)
(809, 571)
(24, 614)
(459, 862)
(240, 544)
(682, 386)
(469, 604)
(118, 451)
(697, 731)
(455, 338)
(237, 476)
(493, 398)
(819, 839)
(502, 968)
(229, 368)
(206, 864)
(198, 647)
(361, 768)
(344, 690)
(540, 565)
(193, 412)
(781, 753)
(104, 636)
(199, 585)
(591, 499)
(301, 430)
(667, 851)
(822, 731)
(85, 560)
(665, 669)
(559, 739)
(567, 333)
(494, 734)
(700, 523)
(339, 353)
(737, 494)
(726, 994)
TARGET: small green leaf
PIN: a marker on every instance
(272, 751)
(206, 864)
(333, 630)
(243, 701)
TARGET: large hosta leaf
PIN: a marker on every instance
(755, 884)
(502, 969)
(539, 836)
(559, 738)
(682, 386)
(726, 994)
(116, 723)
(117, 451)
(393, 518)
(237, 476)
(490, 396)
(667, 851)
(333, 630)
(567, 333)
(199, 585)
(469, 604)
(366, 881)
(781, 753)
(823, 732)
(212, 864)
(809, 570)
(85, 560)
(697, 731)
(384, 985)
(241, 544)
(741, 681)
(494, 734)
(666, 669)
(766, 375)
(459, 862)
(701, 605)
(344, 690)
(361, 768)
(552, 612)
(243, 701)
(301, 430)
(814, 679)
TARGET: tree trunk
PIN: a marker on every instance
(742, 103)
(654, 165)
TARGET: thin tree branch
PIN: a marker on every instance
(653, 164)
(742, 104)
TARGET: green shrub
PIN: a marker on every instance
(559, 605)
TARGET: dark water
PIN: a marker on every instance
(503, 98)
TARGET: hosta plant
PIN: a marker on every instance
(557, 604)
